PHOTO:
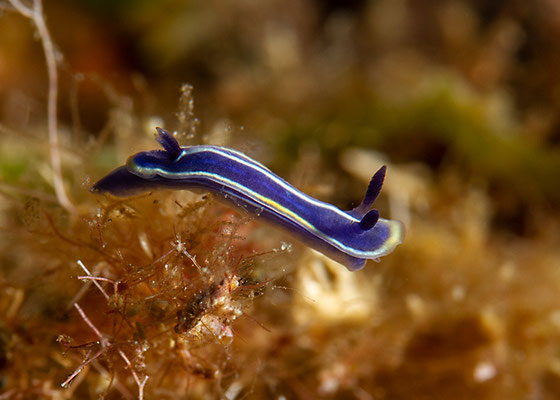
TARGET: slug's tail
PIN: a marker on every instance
(378, 241)
(372, 237)
(368, 218)
(372, 192)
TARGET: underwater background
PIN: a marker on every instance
(173, 294)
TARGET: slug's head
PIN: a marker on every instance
(140, 174)
(147, 163)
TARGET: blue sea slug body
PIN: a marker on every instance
(349, 237)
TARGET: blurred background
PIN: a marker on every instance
(460, 99)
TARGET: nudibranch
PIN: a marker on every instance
(348, 237)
